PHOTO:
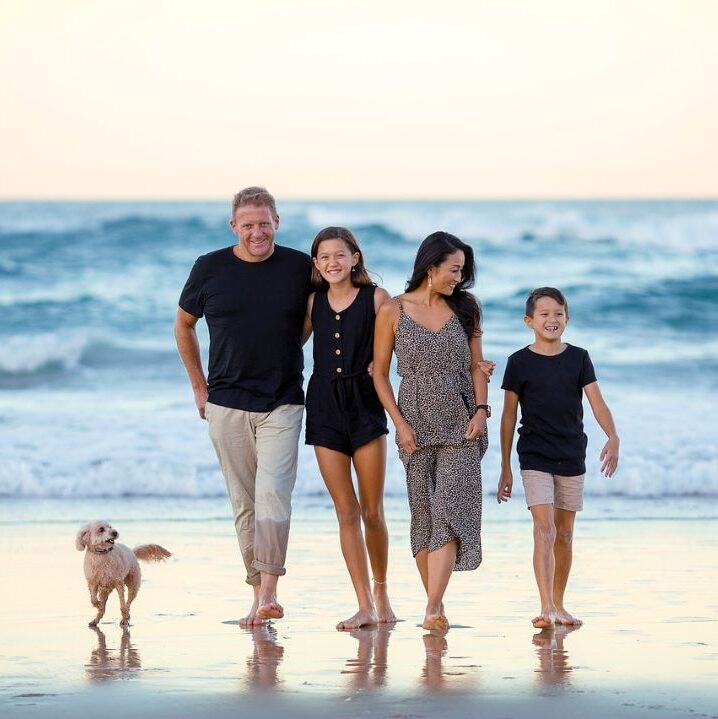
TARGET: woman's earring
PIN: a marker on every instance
(429, 281)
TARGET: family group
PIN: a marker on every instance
(262, 301)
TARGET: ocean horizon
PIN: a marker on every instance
(94, 401)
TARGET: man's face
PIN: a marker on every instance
(255, 227)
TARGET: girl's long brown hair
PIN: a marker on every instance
(359, 276)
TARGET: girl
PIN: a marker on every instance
(345, 420)
(440, 419)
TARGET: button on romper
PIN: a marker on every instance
(343, 410)
(443, 477)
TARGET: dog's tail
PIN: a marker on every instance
(151, 553)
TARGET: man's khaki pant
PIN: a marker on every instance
(257, 452)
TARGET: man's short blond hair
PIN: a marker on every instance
(254, 196)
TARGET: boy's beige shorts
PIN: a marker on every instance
(544, 488)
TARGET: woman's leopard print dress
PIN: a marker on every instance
(443, 476)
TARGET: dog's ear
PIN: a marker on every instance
(81, 539)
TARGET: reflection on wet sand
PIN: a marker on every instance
(266, 657)
(437, 676)
(109, 663)
(368, 669)
(554, 668)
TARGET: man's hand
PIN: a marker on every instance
(609, 457)
(506, 483)
(487, 367)
(200, 400)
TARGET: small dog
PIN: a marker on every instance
(111, 566)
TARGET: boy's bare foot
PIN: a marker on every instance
(543, 621)
(563, 617)
(435, 621)
(362, 618)
(384, 612)
(252, 620)
(269, 608)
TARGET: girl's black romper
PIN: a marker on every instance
(343, 410)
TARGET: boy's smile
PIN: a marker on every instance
(548, 321)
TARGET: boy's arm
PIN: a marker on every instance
(609, 453)
(508, 425)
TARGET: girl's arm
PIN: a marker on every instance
(609, 453)
(307, 327)
(508, 425)
(384, 333)
(477, 424)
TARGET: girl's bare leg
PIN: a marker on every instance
(563, 556)
(544, 563)
(440, 565)
(336, 472)
(370, 464)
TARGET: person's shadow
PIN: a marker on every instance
(554, 667)
(442, 673)
(368, 669)
(267, 655)
(108, 663)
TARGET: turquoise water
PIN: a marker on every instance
(94, 401)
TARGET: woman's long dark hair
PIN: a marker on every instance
(432, 252)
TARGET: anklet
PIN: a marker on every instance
(376, 581)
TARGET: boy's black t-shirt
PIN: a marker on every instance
(255, 313)
(550, 390)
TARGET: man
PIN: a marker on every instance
(253, 296)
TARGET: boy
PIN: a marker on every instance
(547, 378)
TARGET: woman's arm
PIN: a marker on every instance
(477, 424)
(508, 425)
(384, 334)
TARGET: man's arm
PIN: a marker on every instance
(609, 453)
(508, 425)
(188, 348)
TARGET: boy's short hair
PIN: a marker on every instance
(254, 196)
(540, 292)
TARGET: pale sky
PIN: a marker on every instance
(358, 99)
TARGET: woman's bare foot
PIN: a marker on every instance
(435, 621)
(563, 617)
(363, 618)
(543, 620)
(252, 620)
(384, 612)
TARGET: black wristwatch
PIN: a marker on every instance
(485, 407)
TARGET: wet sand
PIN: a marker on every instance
(645, 588)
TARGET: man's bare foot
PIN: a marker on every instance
(563, 617)
(362, 618)
(543, 621)
(270, 609)
(384, 612)
(435, 621)
(252, 620)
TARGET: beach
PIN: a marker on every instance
(644, 585)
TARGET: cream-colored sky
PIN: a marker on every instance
(320, 98)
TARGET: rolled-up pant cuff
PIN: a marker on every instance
(269, 568)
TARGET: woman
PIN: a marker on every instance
(440, 418)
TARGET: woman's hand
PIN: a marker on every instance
(477, 425)
(407, 438)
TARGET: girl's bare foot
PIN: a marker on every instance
(362, 618)
(563, 617)
(384, 612)
(435, 621)
(543, 621)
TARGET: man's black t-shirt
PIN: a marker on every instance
(550, 390)
(254, 312)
